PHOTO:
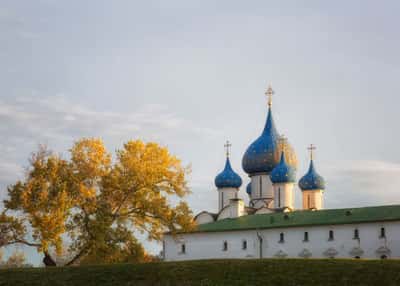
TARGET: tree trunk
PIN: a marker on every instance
(48, 260)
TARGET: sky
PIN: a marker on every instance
(192, 74)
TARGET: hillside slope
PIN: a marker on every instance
(215, 272)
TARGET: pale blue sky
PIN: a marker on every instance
(191, 74)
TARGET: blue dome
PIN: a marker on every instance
(312, 180)
(248, 189)
(283, 173)
(260, 156)
(228, 178)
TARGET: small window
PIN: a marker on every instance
(225, 246)
(383, 233)
(357, 257)
(183, 248)
(244, 244)
(331, 235)
(305, 237)
(279, 197)
(356, 234)
(281, 237)
(383, 257)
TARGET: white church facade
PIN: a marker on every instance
(270, 226)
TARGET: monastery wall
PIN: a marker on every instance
(343, 245)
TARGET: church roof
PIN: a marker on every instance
(248, 189)
(259, 157)
(304, 218)
(283, 173)
(312, 180)
(228, 178)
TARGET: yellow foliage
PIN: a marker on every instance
(99, 204)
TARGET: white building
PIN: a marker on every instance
(270, 226)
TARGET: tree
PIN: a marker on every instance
(15, 260)
(97, 203)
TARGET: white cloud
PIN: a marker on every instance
(361, 183)
(56, 117)
(374, 166)
(56, 121)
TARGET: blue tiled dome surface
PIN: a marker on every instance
(283, 173)
(228, 178)
(312, 180)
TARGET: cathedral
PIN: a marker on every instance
(270, 226)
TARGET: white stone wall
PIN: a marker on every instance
(313, 199)
(262, 190)
(225, 195)
(204, 217)
(236, 207)
(283, 196)
(210, 245)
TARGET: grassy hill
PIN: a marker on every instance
(215, 272)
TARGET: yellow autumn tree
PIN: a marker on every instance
(97, 203)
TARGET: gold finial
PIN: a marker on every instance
(311, 149)
(227, 147)
(269, 94)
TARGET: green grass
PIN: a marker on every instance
(215, 272)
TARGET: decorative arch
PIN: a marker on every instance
(264, 210)
(383, 252)
(204, 217)
(305, 253)
(224, 213)
(280, 254)
(356, 252)
(330, 252)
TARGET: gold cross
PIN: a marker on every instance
(311, 149)
(227, 146)
(282, 141)
(269, 94)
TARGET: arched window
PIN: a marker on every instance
(244, 244)
(260, 187)
(225, 246)
(183, 248)
(331, 235)
(309, 201)
(305, 236)
(356, 234)
(281, 237)
(382, 233)
(279, 197)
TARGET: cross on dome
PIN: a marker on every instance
(282, 141)
(269, 94)
(227, 147)
(311, 149)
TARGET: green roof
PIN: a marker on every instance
(304, 218)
